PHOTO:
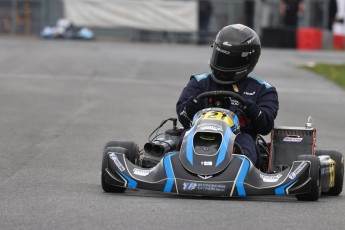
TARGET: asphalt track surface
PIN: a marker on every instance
(60, 101)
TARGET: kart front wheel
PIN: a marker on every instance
(108, 187)
(132, 153)
(315, 191)
(339, 171)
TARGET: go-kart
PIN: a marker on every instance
(64, 29)
(209, 162)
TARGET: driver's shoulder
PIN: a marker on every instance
(201, 76)
(259, 82)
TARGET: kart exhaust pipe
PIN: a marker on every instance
(160, 146)
(148, 147)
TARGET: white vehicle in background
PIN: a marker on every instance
(64, 29)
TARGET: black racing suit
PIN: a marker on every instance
(250, 88)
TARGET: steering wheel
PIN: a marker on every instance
(226, 94)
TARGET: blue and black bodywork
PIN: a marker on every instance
(240, 178)
(208, 164)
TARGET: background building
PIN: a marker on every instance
(28, 17)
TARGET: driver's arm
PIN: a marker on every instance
(264, 111)
(190, 91)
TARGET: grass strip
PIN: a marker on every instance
(333, 72)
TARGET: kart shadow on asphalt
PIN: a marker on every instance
(160, 195)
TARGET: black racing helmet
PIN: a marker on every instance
(236, 51)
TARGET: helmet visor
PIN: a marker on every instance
(229, 60)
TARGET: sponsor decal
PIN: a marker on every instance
(222, 51)
(234, 102)
(227, 44)
(293, 139)
(210, 124)
(141, 172)
(297, 170)
(189, 186)
(249, 94)
(210, 127)
(117, 162)
(270, 179)
(206, 163)
(251, 40)
(207, 125)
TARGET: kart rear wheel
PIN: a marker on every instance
(339, 171)
(108, 187)
(315, 191)
(132, 153)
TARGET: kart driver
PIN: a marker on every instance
(236, 50)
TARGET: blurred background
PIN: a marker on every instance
(183, 21)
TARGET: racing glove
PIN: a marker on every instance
(251, 110)
(191, 108)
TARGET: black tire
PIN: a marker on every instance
(108, 187)
(132, 153)
(339, 171)
(315, 191)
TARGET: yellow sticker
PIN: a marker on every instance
(214, 115)
(332, 173)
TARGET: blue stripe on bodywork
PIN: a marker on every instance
(130, 182)
(189, 147)
(281, 190)
(223, 147)
(242, 176)
(236, 123)
(169, 172)
(195, 118)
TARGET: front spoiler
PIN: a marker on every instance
(240, 178)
